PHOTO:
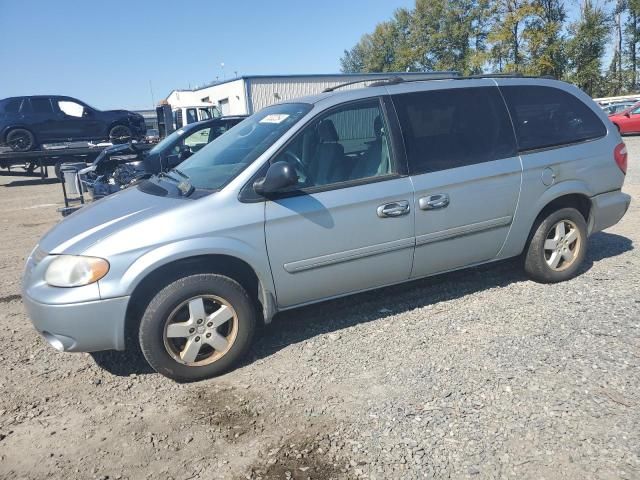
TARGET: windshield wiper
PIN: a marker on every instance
(179, 172)
(166, 175)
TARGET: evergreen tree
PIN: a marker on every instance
(507, 34)
(544, 40)
(632, 31)
(586, 48)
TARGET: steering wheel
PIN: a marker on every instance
(298, 165)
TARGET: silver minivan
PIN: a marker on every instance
(325, 196)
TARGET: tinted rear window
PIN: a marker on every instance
(13, 106)
(41, 105)
(548, 117)
(452, 128)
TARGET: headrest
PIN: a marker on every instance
(377, 127)
(327, 131)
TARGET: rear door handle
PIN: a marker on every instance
(394, 209)
(434, 202)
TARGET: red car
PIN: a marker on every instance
(627, 121)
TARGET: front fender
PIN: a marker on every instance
(123, 281)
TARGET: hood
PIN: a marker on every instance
(121, 149)
(93, 223)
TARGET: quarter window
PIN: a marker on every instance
(548, 117)
(446, 129)
(71, 109)
(350, 143)
(41, 105)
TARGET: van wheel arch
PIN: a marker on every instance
(226, 265)
(579, 201)
(10, 129)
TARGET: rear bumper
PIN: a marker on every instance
(607, 209)
(80, 327)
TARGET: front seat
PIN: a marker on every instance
(328, 159)
(376, 159)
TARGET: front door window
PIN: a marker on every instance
(349, 143)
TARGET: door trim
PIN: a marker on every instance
(348, 255)
(462, 230)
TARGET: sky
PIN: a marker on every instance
(113, 54)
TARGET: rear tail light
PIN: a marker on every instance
(620, 155)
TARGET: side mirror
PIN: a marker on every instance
(279, 176)
(628, 114)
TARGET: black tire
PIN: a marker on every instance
(537, 260)
(119, 134)
(20, 140)
(155, 347)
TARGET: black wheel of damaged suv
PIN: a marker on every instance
(197, 327)
(119, 134)
(558, 247)
(20, 140)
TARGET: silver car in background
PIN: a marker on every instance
(313, 199)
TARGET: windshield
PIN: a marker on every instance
(224, 158)
(167, 142)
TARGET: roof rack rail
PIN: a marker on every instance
(335, 87)
(395, 78)
(492, 75)
(430, 76)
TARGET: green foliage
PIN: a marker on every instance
(533, 37)
(586, 48)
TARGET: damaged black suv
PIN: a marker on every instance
(26, 122)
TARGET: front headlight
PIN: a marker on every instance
(75, 271)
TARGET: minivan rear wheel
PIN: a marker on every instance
(557, 247)
(197, 327)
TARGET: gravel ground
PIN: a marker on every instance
(475, 374)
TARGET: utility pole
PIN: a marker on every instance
(153, 102)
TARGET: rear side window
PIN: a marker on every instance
(41, 105)
(452, 128)
(546, 117)
(13, 106)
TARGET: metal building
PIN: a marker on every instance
(248, 94)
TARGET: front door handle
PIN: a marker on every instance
(434, 202)
(394, 209)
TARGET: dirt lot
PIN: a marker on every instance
(475, 374)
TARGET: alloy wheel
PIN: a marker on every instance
(201, 330)
(19, 141)
(562, 245)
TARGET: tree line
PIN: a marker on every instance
(532, 37)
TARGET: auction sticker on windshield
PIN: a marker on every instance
(275, 118)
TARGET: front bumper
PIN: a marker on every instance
(607, 209)
(81, 327)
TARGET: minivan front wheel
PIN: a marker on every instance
(197, 327)
(558, 247)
